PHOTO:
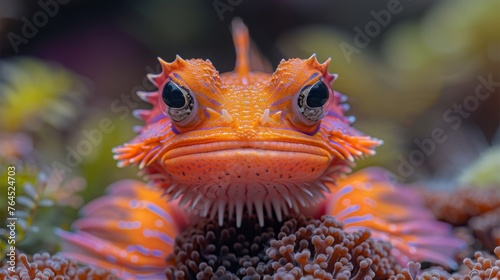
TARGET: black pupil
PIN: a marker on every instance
(318, 95)
(173, 96)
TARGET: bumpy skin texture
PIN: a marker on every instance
(244, 148)
(245, 144)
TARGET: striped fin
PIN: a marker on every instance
(130, 231)
(368, 199)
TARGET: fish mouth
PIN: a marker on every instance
(236, 162)
(246, 146)
(209, 176)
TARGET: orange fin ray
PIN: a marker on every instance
(146, 147)
(130, 231)
(368, 199)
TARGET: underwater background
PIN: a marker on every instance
(423, 76)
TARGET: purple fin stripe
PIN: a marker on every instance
(358, 219)
(160, 212)
(148, 233)
(347, 211)
(138, 248)
(341, 192)
(152, 208)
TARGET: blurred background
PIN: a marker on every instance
(424, 76)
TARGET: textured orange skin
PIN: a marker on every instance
(245, 144)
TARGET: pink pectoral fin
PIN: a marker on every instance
(130, 231)
(393, 212)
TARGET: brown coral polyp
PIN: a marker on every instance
(486, 228)
(323, 250)
(298, 248)
(481, 268)
(45, 266)
(208, 251)
(461, 205)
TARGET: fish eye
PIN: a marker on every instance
(311, 102)
(317, 95)
(174, 96)
(180, 102)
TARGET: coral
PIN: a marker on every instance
(475, 208)
(413, 269)
(486, 228)
(297, 247)
(481, 268)
(45, 266)
(323, 250)
(459, 206)
(471, 243)
(209, 251)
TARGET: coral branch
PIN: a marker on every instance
(45, 266)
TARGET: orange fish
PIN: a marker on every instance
(244, 140)
(269, 144)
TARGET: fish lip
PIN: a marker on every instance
(272, 146)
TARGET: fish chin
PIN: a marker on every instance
(222, 178)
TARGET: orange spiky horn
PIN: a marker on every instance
(241, 41)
